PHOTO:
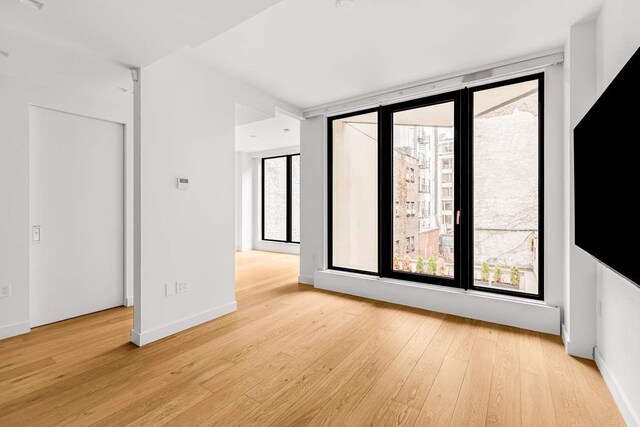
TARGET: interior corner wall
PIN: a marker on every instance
(187, 127)
(579, 328)
(618, 318)
(313, 154)
(244, 201)
(15, 234)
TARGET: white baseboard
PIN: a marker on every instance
(565, 335)
(280, 247)
(305, 280)
(518, 312)
(585, 352)
(146, 337)
(627, 411)
(128, 301)
(14, 329)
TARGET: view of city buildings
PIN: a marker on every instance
(423, 196)
(505, 213)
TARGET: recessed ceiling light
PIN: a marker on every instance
(5, 54)
(345, 4)
(33, 3)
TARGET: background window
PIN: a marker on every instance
(281, 198)
(295, 198)
(274, 199)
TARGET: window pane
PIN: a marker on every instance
(505, 181)
(355, 192)
(423, 165)
(295, 198)
(275, 198)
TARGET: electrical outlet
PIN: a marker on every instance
(5, 291)
(181, 287)
(170, 289)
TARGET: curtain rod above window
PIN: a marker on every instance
(480, 75)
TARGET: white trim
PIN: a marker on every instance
(447, 82)
(128, 301)
(627, 411)
(281, 247)
(585, 352)
(304, 280)
(573, 349)
(275, 152)
(146, 337)
(565, 336)
(14, 329)
(506, 310)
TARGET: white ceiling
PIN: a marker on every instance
(268, 134)
(308, 52)
(133, 32)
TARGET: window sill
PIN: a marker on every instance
(503, 309)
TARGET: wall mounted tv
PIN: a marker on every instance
(607, 175)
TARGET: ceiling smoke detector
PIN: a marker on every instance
(33, 3)
(345, 4)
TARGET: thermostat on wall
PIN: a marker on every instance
(183, 183)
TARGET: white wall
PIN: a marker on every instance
(247, 202)
(256, 174)
(244, 201)
(187, 129)
(579, 329)
(313, 224)
(99, 98)
(618, 323)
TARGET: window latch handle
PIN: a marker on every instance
(458, 215)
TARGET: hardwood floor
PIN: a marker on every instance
(292, 355)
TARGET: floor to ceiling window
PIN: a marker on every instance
(353, 245)
(444, 190)
(423, 148)
(281, 198)
(506, 186)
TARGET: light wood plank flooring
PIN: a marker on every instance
(292, 355)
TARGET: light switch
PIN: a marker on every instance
(35, 234)
(183, 183)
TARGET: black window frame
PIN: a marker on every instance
(463, 188)
(330, 121)
(289, 185)
(385, 224)
(540, 276)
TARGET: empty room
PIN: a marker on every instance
(319, 212)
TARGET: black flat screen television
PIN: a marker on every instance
(607, 175)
